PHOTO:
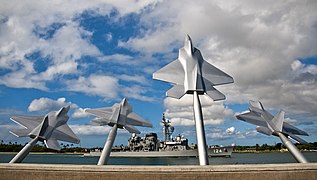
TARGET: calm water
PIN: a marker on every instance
(236, 158)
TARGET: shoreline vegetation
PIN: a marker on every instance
(10, 148)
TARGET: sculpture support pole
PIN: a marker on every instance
(105, 154)
(292, 148)
(200, 131)
(25, 151)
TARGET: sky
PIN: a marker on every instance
(92, 54)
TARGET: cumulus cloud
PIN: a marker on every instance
(93, 130)
(258, 43)
(180, 111)
(80, 113)
(262, 44)
(90, 129)
(52, 32)
(48, 104)
(230, 130)
(221, 134)
(96, 85)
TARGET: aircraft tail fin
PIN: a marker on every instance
(43, 126)
(278, 121)
(297, 139)
(40, 130)
(214, 94)
(256, 104)
(63, 110)
(132, 129)
(52, 144)
(177, 92)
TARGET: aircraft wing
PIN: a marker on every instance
(20, 132)
(100, 112)
(252, 118)
(293, 130)
(132, 129)
(135, 120)
(29, 122)
(172, 73)
(64, 133)
(214, 75)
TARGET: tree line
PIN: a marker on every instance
(276, 147)
(15, 147)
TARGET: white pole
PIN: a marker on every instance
(292, 149)
(200, 131)
(25, 151)
(105, 154)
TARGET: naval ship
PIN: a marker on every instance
(151, 146)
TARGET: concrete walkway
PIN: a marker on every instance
(224, 172)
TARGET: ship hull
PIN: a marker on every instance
(212, 152)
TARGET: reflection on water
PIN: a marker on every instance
(236, 158)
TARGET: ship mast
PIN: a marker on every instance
(168, 129)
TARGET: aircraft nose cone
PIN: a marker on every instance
(188, 44)
(66, 109)
(124, 102)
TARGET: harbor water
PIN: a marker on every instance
(236, 158)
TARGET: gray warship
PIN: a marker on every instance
(151, 146)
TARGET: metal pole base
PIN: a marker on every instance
(105, 154)
(24, 152)
(292, 149)
(200, 131)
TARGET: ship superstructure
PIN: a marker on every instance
(151, 146)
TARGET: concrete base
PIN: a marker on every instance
(223, 172)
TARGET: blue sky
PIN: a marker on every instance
(93, 54)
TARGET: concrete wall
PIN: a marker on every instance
(231, 172)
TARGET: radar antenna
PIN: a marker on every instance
(168, 129)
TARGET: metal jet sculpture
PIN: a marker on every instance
(191, 74)
(48, 128)
(120, 115)
(274, 125)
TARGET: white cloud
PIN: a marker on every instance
(93, 130)
(230, 130)
(48, 104)
(121, 59)
(180, 111)
(51, 29)
(136, 92)
(96, 85)
(90, 129)
(80, 113)
(134, 78)
(108, 37)
(258, 43)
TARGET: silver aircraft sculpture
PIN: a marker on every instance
(48, 129)
(120, 115)
(274, 125)
(191, 74)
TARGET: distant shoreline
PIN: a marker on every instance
(79, 153)
(234, 152)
